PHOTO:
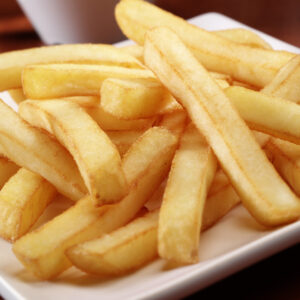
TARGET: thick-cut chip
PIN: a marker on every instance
(124, 139)
(243, 36)
(131, 99)
(42, 251)
(97, 157)
(180, 216)
(7, 169)
(271, 115)
(252, 65)
(261, 189)
(52, 81)
(135, 244)
(23, 199)
(108, 122)
(12, 63)
(286, 82)
(17, 95)
(38, 152)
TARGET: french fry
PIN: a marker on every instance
(42, 251)
(286, 82)
(135, 51)
(38, 152)
(7, 169)
(180, 216)
(96, 156)
(261, 189)
(108, 122)
(135, 244)
(247, 64)
(63, 80)
(12, 63)
(271, 115)
(83, 101)
(243, 36)
(124, 139)
(131, 99)
(17, 95)
(23, 199)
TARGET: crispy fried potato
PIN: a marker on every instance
(243, 36)
(38, 152)
(180, 216)
(122, 251)
(175, 122)
(285, 156)
(17, 95)
(271, 115)
(63, 80)
(252, 65)
(135, 244)
(135, 51)
(23, 199)
(83, 101)
(131, 99)
(96, 156)
(286, 82)
(12, 63)
(7, 169)
(124, 139)
(261, 189)
(42, 251)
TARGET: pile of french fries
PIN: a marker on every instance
(153, 143)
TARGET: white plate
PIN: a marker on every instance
(236, 242)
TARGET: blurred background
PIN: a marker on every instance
(280, 18)
(277, 277)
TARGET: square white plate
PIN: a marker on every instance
(236, 242)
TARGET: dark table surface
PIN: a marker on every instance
(277, 277)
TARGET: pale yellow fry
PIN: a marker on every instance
(23, 199)
(97, 158)
(38, 152)
(42, 251)
(17, 95)
(12, 63)
(243, 36)
(132, 246)
(252, 65)
(175, 122)
(109, 122)
(261, 189)
(63, 80)
(124, 139)
(286, 82)
(135, 51)
(272, 115)
(180, 216)
(7, 169)
(131, 99)
(83, 101)
(285, 156)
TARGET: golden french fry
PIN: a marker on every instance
(12, 63)
(272, 115)
(180, 216)
(261, 189)
(243, 36)
(135, 244)
(16, 94)
(83, 101)
(23, 199)
(131, 99)
(252, 65)
(124, 139)
(108, 122)
(56, 81)
(286, 82)
(42, 251)
(175, 122)
(38, 152)
(96, 156)
(135, 51)
(7, 169)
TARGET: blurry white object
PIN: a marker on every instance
(73, 21)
